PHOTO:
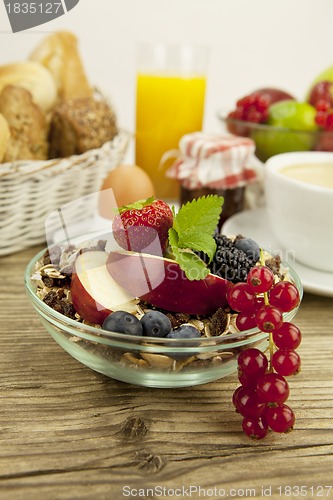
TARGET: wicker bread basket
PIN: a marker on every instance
(31, 190)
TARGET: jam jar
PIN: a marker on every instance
(215, 164)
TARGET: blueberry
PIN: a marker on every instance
(184, 332)
(155, 324)
(123, 322)
(249, 247)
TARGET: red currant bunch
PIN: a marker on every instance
(261, 397)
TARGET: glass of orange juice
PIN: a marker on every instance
(170, 97)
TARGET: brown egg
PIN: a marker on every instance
(129, 183)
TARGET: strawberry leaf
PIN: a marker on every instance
(137, 205)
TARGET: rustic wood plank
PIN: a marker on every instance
(67, 432)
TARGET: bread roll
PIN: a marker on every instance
(59, 54)
(79, 125)
(33, 77)
(4, 136)
(27, 123)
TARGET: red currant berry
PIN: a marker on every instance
(280, 418)
(241, 297)
(272, 388)
(286, 362)
(255, 428)
(260, 279)
(252, 363)
(235, 396)
(245, 381)
(329, 121)
(288, 336)
(322, 105)
(248, 404)
(260, 301)
(269, 318)
(245, 321)
(284, 295)
(321, 118)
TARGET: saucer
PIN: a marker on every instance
(255, 224)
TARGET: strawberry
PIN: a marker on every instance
(143, 226)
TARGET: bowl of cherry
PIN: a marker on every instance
(279, 123)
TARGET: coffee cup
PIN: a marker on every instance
(299, 200)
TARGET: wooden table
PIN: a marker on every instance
(69, 433)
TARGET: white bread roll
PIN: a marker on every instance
(35, 78)
(59, 53)
(4, 136)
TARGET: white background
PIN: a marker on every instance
(254, 43)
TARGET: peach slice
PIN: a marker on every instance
(162, 283)
(94, 292)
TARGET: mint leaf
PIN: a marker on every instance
(193, 267)
(199, 215)
(196, 222)
(200, 243)
(193, 229)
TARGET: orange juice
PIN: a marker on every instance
(167, 107)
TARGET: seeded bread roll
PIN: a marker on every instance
(79, 125)
(4, 136)
(59, 53)
(27, 124)
(33, 77)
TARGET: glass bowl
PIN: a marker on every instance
(146, 361)
(271, 140)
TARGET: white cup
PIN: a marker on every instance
(301, 213)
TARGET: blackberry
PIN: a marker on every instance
(222, 241)
(230, 262)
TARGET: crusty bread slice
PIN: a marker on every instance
(59, 53)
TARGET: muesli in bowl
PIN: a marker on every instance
(163, 300)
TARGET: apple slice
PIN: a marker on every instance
(95, 294)
(162, 283)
